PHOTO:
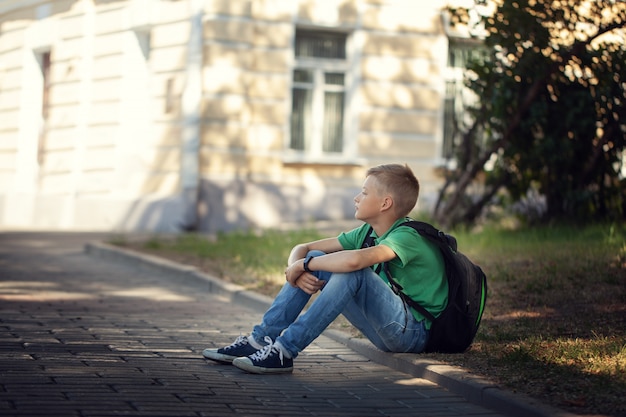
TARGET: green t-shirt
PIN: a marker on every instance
(418, 266)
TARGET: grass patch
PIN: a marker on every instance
(555, 323)
(253, 260)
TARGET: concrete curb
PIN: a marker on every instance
(475, 389)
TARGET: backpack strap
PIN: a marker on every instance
(447, 245)
(443, 240)
(397, 288)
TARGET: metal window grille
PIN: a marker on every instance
(318, 44)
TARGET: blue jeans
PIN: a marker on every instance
(361, 296)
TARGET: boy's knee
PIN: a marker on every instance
(315, 253)
(343, 279)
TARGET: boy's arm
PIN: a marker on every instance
(325, 245)
(336, 259)
(351, 260)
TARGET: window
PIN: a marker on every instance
(458, 96)
(319, 93)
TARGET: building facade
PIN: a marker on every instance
(162, 115)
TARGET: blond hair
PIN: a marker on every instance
(400, 182)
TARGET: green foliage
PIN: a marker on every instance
(552, 112)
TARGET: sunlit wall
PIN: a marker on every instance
(161, 114)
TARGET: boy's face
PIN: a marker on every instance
(369, 201)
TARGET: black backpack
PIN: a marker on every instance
(454, 329)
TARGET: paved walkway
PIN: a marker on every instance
(85, 336)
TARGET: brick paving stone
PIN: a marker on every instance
(81, 336)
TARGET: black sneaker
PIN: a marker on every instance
(269, 360)
(240, 347)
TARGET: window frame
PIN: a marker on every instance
(321, 66)
(455, 102)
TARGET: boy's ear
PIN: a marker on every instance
(387, 203)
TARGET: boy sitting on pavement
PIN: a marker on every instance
(345, 274)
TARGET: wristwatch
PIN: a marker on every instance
(306, 263)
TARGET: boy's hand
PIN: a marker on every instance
(298, 277)
(309, 283)
(293, 272)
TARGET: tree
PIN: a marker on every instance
(551, 115)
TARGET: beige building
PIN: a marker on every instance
(214, 114)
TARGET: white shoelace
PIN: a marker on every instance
(241, 340)
(267, 350)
